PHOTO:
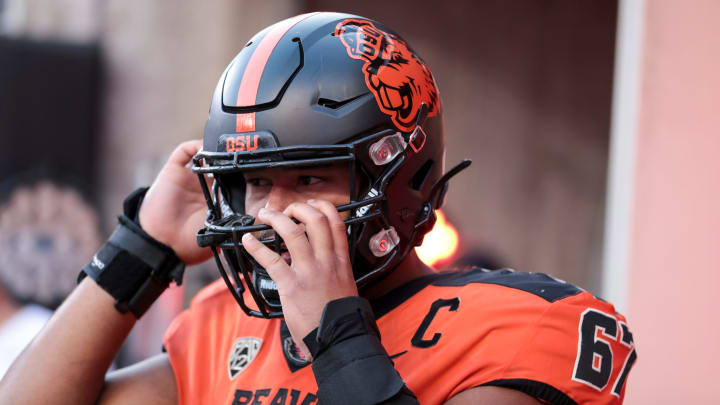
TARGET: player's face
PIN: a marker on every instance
(277, 188)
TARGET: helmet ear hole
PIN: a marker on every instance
(419, 178)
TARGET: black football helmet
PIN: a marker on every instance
(318, 89)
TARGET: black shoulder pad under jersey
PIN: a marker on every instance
(542, 285)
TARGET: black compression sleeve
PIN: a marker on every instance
(133, 267)
(350, 364)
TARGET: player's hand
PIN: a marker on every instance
(174, 208)
(320, 269)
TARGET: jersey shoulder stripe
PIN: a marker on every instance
(546, 287)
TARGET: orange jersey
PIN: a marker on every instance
(446, 333)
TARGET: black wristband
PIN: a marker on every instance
(133, 267)
(350, 364)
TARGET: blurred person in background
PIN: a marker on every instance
(334, 121)
(46, 230)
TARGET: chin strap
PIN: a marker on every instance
(426, 219)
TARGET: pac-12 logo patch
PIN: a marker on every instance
(243, 352)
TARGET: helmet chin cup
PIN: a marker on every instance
(268, 290)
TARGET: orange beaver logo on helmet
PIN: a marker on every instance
(399, 79)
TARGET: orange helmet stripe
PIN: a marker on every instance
(247, 93)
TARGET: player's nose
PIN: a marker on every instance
(280, 197)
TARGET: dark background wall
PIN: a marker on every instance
(527, 88)
(49, 110)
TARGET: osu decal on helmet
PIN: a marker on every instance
(319, 89)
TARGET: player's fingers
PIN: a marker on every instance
(292, 234)
(338, 230)
(275, 265)
(183, 153)
(317, 227)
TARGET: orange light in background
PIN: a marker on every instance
(440, 243)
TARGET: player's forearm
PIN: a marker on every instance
(350, 364)
(67, 361)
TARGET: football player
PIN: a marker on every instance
(320, 169)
